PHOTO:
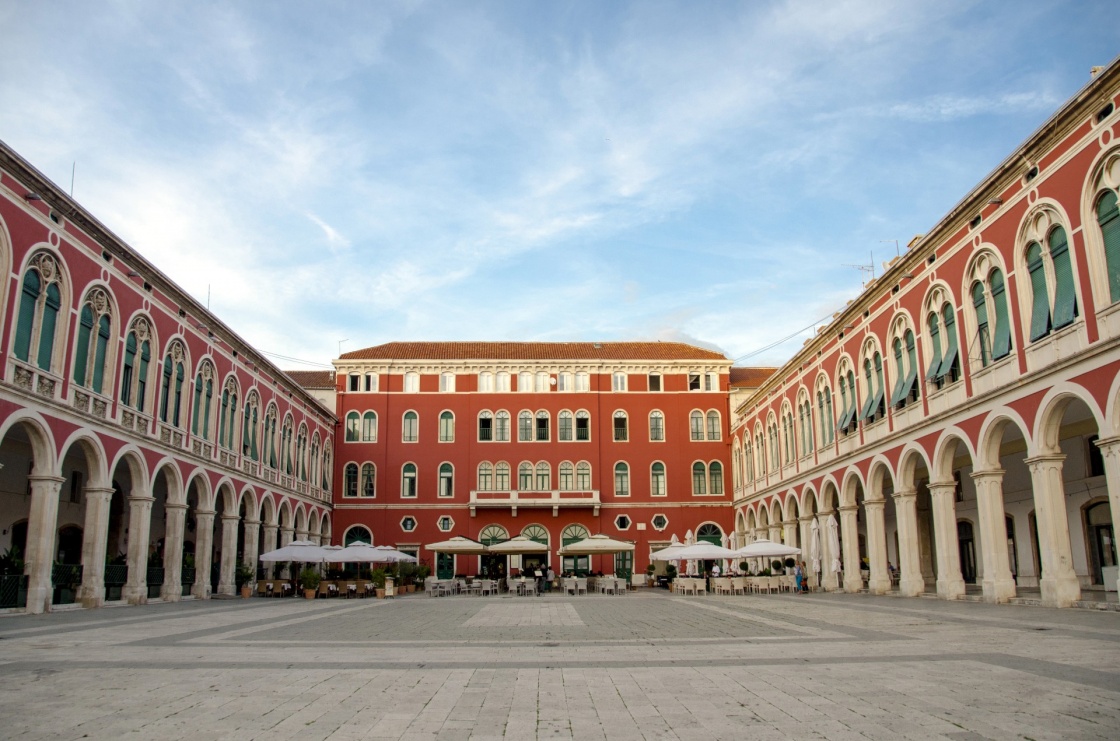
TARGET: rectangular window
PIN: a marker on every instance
(525, 479)
(711, 382)
(566, 478)
(583, 382)
(563, 381)
(621, 481)
(656, 428)
(693, 381)
(501, 478)
(542, 382)
(446, 382)
(371, 382)
(620, 429)
(503, 382)
(543, 483)
(654, 381)
(485, 479)
(524, 381)
(566, 427)
(355, 379)
(524, 428)
(618, 381)
(542, 429)
(484, 429)
(411, 383)
(501, 434)
(446, 428)
(583, 428)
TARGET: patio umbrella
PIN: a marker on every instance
(517, 545)
(356, 553)
(834, 545)
(302, 551)
(815, 547)
(767, 549)
(458, 545)
(389, 554)
(596, 544)
(702, 552)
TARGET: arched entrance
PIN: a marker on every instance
(493, 565)
(579, 565)
(1102, 543)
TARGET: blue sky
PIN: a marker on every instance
(531, 170)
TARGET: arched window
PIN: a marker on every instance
(301, 454)
(286, 444)
(353, 423)
(709, 533)
(748, 460)
(485, 382)
(485, 426)
(485, 476)
(575, 564)
(567, 476)
(446, 427)
(1108, 218)
(525, 476)
(873, 406)
(446, 480)
(411, 383)
(1051, 274)
(621, 427)
(369, 480)
(906, 369)
(492, 534)
(410, 429)
(270, 434)
(583, 381)
(327, 473)
(171, 389)
(136, 365)
(524, 382)
(408, 481)
(91, 353)
(714, 432)
(501, 476)
(618, 381)
(656, 427)
(696, 425)
(369, 427)
(227, 428)
(203, 401)
(351, 476)
(446, 382)
(657, 479)
(39, 307)
(583, 476)
(544, 477)
(249, 434)
(699, 479)
(824, 413)
(542, 426)
(541, 382)
(583, 426)
(621, 480)
(1040, 302)
(944, 367)
(358, 534)
(715, 479)
(565, 429)
(501, 427)
(525, 426)
(847, 383)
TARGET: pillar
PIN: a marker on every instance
(950, 583)
(252, 540)
(789, 534)
(226, 580)
(203, 552)
(879, 581)
(135, 590)
(271, 532)
(849, 529)
(911, 583)
(172, 590)
(1110, 449)
(95, 539)
(999, 585)
(287, 535)
(41, 529)
(1059, 584)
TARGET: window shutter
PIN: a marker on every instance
(865, 412)
(899, 389)
(1108, 216)
(948, 363)
(81, 351)
(27, 304)
(1001, 337)
(1040, 303)
(101, 349)
(935, 342)
(50, 318)
(880, 387)
(1065, 299)
(982, 334)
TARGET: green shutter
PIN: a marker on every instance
(935, 343)
(127, 371)
(27, 304)
(99, 354)
(142, 376)
(222, 419)
(1065, 298)
(979, 302)
(1108, 216)
(899, 389)
(81, 349)
(880, 387)
(947, 372)
(867, 402)
(50, 319)
(910, 387)
(179, 376)
(1001, 337)
(1040, 302)
(197, 404)
(165, 389)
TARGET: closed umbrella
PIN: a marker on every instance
(815, 548)
(834, 546)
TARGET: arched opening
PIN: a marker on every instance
(1101, 536)
(82, 467)
(24, 452)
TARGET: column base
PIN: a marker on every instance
(39, 600)
(879, 586)
(999, 591)
(135, 595)
(950, 588)
(912, 587)
(853, 584)
(1056, 592)
(91, 598)
(201, 591)
(171, 592)
(227, 589)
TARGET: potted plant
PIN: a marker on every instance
(243, 577)
(309, 581)
(650, 581)
(671, 575)
(776, 567)
(377, 576)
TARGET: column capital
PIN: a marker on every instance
(874, 503)
(942, 488)
(848, 508)
(1038, 462)
(231, 518)
(36, 478)
(1109, 445)
(252, 522)
(269, 525)
(789, 522)
(807, 518)
(97, 490)
(136, 498)
(174, 505)
(993, 474)
(204, 512)
(905, 493)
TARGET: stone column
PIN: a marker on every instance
(1110, 449)
(950, 584)
(828, 576)
(879, 581)
(271, 532)
(176, 519)
(226, 582)
(135, 590)
(287, 535)
(203, 551)
(42, 524)
(789, 534)
(252, 540)
(806, 538)
(95, 539)
(1059, 584)
(849, 530)
(999, 585)
(911, 583)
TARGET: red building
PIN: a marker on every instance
(552, 440)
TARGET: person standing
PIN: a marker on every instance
(799, 576)
(550, 576)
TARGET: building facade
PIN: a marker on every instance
(145, 448)
(555, 441)
(958, 422)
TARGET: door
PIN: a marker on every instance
(445, 565)
(968, 551)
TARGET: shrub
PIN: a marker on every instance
(309, 578)
(790, 563)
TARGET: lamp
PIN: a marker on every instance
(29, 196)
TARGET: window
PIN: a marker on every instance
(492, 534)
(1108, 218)
(696, 425)
(171, 390)
(621, 480)
(445, 524)
(501, 427)
(227, 421)
(618, 381)
(524, 381)
(542, 426)
(583, 426)
(906, 369)
(408, 481)
(583, 476)
(787, 430)
(565, 428)
(693, 381)
(659, 522)
(134, 371)
(286, 445)
(446, 427)
(369, 427)
(446, 382)
(357, 534)
(351, 477)
(204, 402)
(654, 381)
(355, 381)
(485, 382)
(369, 480)
(353, 422)
(824, 412)
(714, 432)
(699, 479)
(408, 524)
(541, 383)
(411, 383)
(270, 435)
(621, 432)
(583, 382)
(805, 424)
(250, 424)
(567, 476)
(485, 477)
(1051, 275)
(873, 406)
(525, 477)
(657, 479)
(485, 426)
(446, 480)
(503, 382)
(715, 479)
(847, 383)
(565, 382)
(410, 430)
(91, 352)
(944, 367)
(39, 307)
(711, 382)
(371, 382)
(544, 476)
(656, 427)
(525, 427)
(501, 477)
(622, 522)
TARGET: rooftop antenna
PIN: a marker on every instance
(73, 169)
(897, 251)
(867, 269)
(340, 346)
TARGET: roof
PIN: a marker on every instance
(312, 379)
(750, 378)
(533, 351)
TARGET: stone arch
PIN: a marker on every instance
(829, 494)
(325, 527)
(225, 492)
(313, 522)
(206, 493)
(95, 456)
(945, 451)
(284, 516)
(266, 513)
(991, 436)
(792, 509)
(1104, 173)
(301, 518)
(42, 442)
(809, 500)
(913, 459)
(1053, 409)
(878, 473)
(248, 497)
(851, 480)
(133, 459)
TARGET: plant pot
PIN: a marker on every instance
(310, 593)
(381, 593)
(246, 592)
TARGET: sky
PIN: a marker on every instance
(337, 175)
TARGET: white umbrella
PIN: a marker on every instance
(690, 566)
(834, 544)
(815, 546)
(520, 544)
(356, 553)
(702, 552)
(460, 545)
(596, 544)
(302, 551)
(389, 554)
(767, 549)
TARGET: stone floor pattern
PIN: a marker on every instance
(645, 666)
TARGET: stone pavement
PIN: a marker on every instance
(648, 665)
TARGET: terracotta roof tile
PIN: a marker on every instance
(312, 379)
(750, 378)
(533, 351)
